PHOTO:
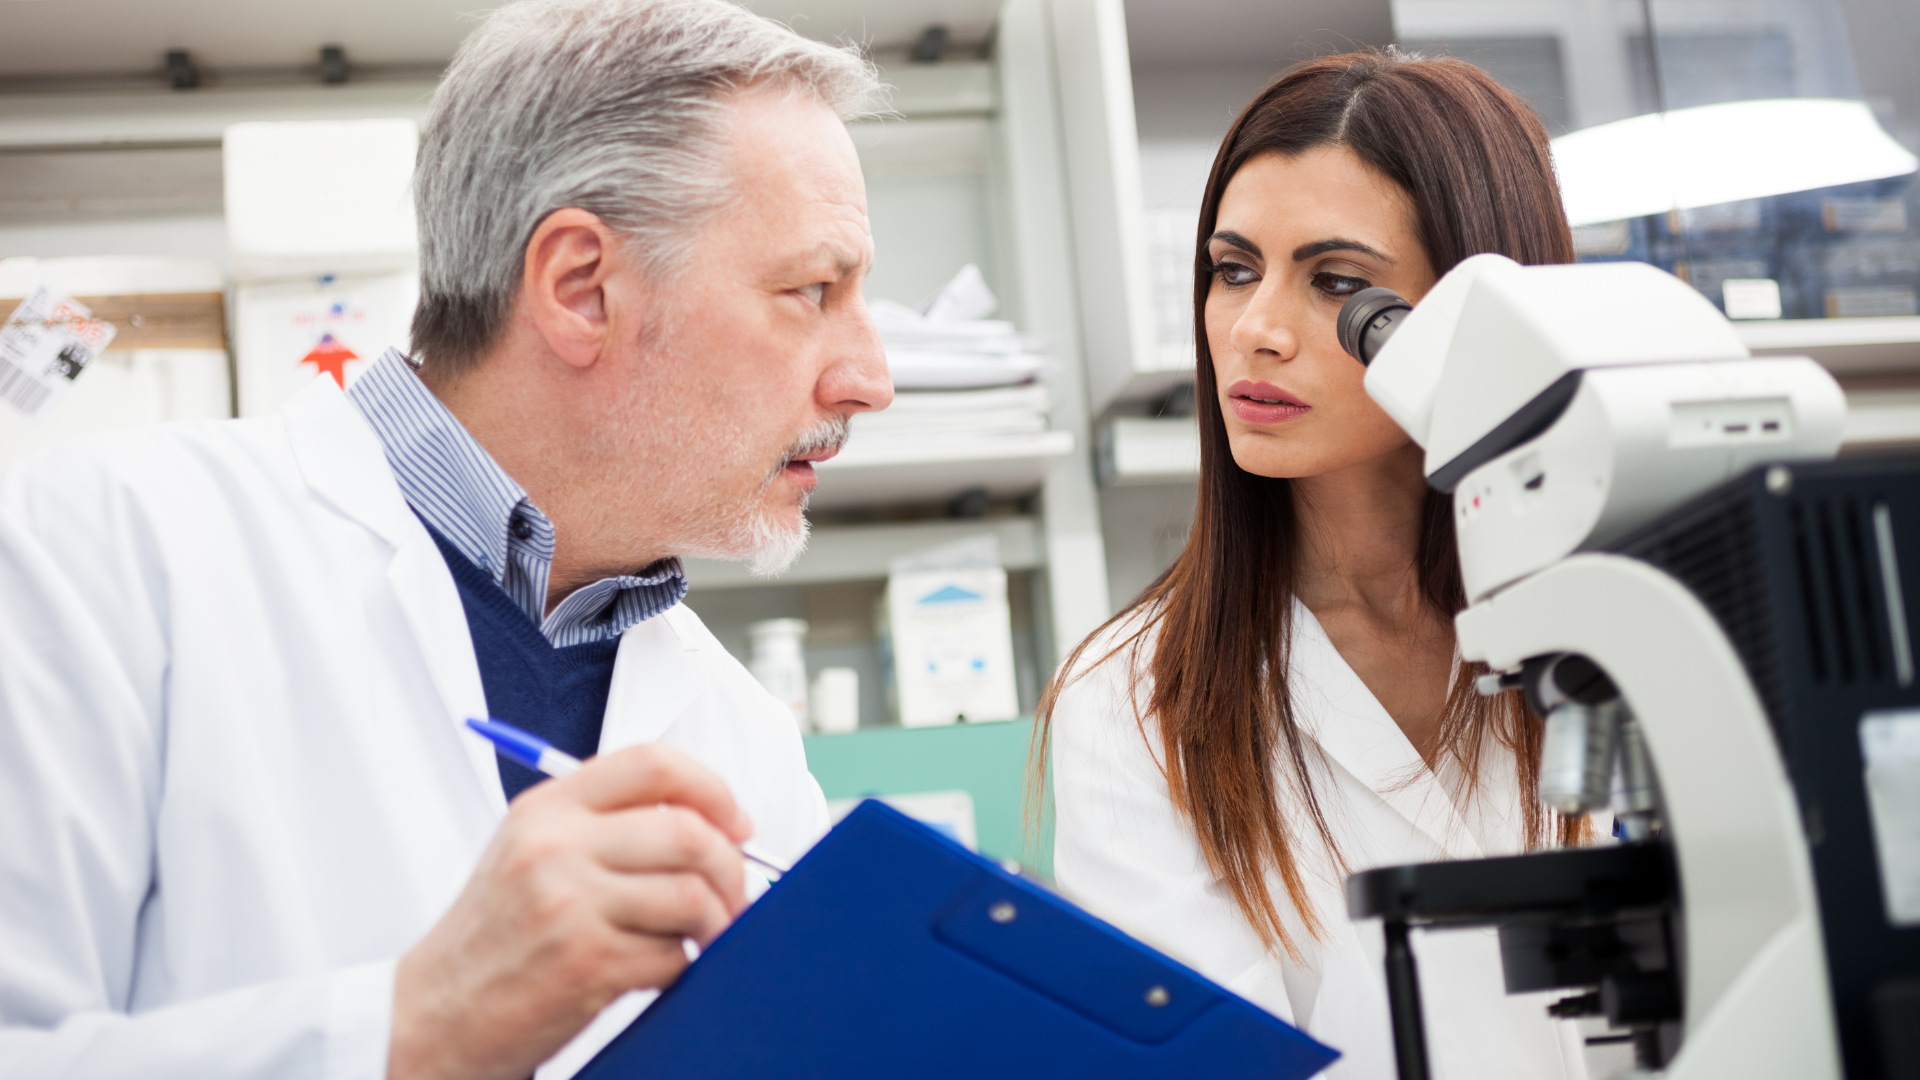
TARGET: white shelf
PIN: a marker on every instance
(937, 471)
(1880, 417)
(1136, 450)
(55, 120)
(1844, 346)
(49, 121)
(862, 552)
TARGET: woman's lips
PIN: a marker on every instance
(1264, 403)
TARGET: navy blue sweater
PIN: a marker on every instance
(559, 694)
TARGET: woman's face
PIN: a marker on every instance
(1297, 236)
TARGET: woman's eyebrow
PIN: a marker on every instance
(1234, 239)
(1321, 247)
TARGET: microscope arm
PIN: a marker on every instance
(1752, 930)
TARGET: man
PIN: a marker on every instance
(243, 831)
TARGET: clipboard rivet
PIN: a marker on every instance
(1001, 912)
(1158, 996)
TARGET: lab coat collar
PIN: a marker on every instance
(342, 461)
(656, 676)
(1335, 709)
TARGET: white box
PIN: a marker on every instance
(289, 333)
(952, 646)
(320, 197)
(124, 387)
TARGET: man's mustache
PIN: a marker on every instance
(828, 435)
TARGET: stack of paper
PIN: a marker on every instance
(958, 376)
(948, 343)
(919, 417)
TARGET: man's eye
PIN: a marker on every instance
(1338, 284)
(815, 292)
(1234, 273)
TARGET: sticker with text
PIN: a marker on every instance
(44, 346)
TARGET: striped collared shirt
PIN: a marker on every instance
(456, 487)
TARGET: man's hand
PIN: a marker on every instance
(586, 892)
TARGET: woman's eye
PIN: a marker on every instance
(1338, 284)
(1234, 273)
(815, 292)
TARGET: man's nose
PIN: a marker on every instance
(858, 379)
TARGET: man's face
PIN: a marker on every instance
(766, 347)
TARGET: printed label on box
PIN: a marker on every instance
(1863, 215)
(1871, 301)
(45, 345)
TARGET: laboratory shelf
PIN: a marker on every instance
(935, 471)
(1149, 450)
(1844, 346)
(1137, 451)
(862, 552)
(146, 120)
(1882, 418)
(987, 761)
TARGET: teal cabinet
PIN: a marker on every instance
(988, 761)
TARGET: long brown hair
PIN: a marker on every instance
(1475, 161)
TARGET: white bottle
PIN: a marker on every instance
(779, 663)
(834, 705)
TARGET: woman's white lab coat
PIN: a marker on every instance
(1121, 851)
(234, 781)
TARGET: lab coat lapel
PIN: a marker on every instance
(656, 676)
(1335, 708)
(343, 463)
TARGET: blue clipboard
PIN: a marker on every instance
(890, 951)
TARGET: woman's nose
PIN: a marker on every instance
(1266, 327)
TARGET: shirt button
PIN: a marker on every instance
(521, 528)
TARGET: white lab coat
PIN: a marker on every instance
(1121, 851)
(234, 781)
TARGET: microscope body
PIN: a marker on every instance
(1704, 630)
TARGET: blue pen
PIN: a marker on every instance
(525, 748)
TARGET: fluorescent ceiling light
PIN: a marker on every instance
(1721, 153)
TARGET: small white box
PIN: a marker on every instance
(1751, 298)
(834, 703)
(949, 812)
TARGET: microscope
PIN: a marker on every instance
(1707, 612)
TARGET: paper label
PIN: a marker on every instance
(1890, 746)
(44, 346)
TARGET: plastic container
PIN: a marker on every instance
(780, 663)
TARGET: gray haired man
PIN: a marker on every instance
(246, 832)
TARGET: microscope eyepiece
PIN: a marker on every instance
(1368, 319)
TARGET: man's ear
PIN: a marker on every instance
(563, 288)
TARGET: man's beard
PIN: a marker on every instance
(750, 531)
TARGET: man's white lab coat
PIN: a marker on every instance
(1122, 851)
(234, 780)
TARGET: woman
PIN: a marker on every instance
(1285, 704)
